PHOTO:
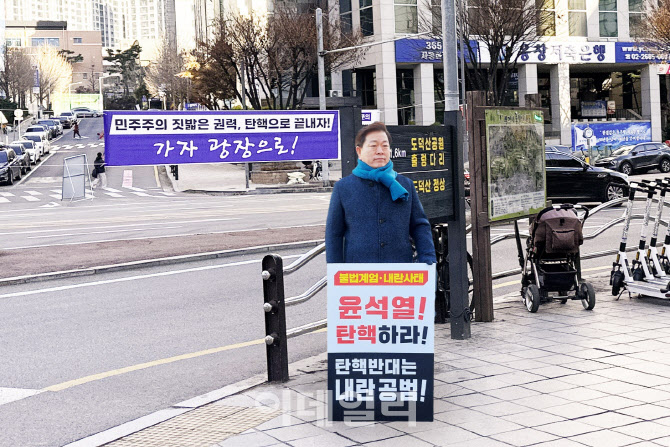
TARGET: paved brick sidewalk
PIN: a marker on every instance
(561, 377)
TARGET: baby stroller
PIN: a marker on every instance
(551, 265)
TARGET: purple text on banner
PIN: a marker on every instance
(160, 138)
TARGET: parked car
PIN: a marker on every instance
(638, 157)
(70, 116)
(41, 142)
(65, 122)
(32, 150)
(53, 123)
(83, 112)
(23, 156)
(39, 129)
(572, 180)
(10, 166)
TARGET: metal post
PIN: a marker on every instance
(458, 267)
(244, 107)
(275, 318)
(325, 173)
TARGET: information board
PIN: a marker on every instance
(515, 162)
(423, 153)
(155, 138)
(381, 342)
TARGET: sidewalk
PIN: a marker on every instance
(229, 178)
(561, 377)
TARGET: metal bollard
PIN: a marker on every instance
(275, 318)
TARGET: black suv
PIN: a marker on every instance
(570, 179)
(638, 157)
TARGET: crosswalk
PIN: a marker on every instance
(25, 196)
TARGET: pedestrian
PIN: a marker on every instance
(75, 132)
(99, 168)
(375, 211)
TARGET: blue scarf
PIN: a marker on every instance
(384, 175)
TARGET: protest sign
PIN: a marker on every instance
(381, 342)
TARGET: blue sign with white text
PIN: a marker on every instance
(155, 138)
(426, 50)
(637, 52)
(610, 135)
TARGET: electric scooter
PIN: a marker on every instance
(654, 262)
(636, 280)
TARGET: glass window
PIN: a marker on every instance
(346, 23)
(406, 21)
(41, 41)
(608, 18)
(366, 17)
(635, 17)
(577, 17)
(546, 17)
(13, 42)
(3, 157)
(566, 161)
(77, 40)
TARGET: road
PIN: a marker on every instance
(62, 331)
(86, 354)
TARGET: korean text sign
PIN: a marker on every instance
(381, 342)
(154, 138)
(424, 154)
(610, 135)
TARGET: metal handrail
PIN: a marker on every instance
(308, 294)
(304, 259)
(307, 328)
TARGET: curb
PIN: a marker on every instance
(259, 191)
(136, 425)
(155, 262)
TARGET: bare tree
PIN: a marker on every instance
(274, 57)
(168, 74)
(54, 71)
(501, 28)
(17, 77)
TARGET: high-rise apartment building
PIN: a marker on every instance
(120, 22)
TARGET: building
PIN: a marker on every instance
(119, 22)
(587, 53)
(88, 44)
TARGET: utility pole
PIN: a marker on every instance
(244, 107)
(325, 173)
(460, 315)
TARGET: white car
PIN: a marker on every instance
(38, 129)
(41, 142)
(30, 148)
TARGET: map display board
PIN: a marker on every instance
(515, 163)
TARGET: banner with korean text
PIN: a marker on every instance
(381, 342)
(155, 138)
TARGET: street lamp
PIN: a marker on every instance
(69, 92)
(102, 98)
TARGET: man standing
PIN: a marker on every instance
(75, 132)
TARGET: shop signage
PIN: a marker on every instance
(143, 138)
(594, 109)
(381, 344)
(424, 50)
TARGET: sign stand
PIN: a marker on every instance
(75, 175)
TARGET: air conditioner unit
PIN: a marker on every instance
(334, 93)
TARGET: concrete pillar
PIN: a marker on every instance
(559, 76)
(387, 92)
(336, 80)
(527, 81)
(424, 94)
(651, 99)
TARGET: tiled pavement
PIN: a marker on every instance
(561, 377)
